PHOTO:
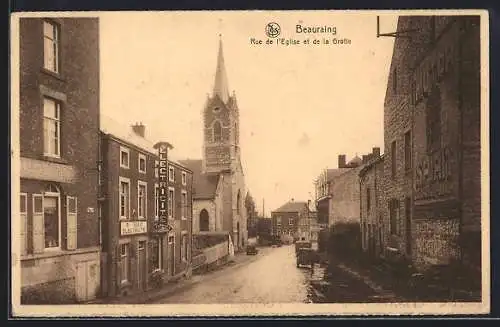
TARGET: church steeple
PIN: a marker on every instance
(221, 87)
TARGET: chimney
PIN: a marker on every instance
(376, 152)
(139, 129)
(366, 158)
(342, 163)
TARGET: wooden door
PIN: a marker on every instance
(87, 279)
(171, 255)
(142, 265)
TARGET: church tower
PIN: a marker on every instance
(221, 151)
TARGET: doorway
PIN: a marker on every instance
(87, 280)
(171, 254)
(142, 265)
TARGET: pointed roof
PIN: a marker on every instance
(292, 206)
(221, 87)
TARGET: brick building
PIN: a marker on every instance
(432, 137)
(139, 246)
(59, 128)
(371, 178)
(285, 219)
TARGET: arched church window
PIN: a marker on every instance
(217, 132)
(204, 221)
(238, 202)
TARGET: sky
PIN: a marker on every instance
(300, 105)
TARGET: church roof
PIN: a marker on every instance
(292, 206)
(204, 185)
(221, 85)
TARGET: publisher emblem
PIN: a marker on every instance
(273, 30)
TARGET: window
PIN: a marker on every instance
(156, 254)
(171, 202)
(142, 163)
(157, 201)
(51, 218)
(279, 232)
(184, 178)
(157, 165)
(290, 221)
(238, 202)
(368, 199)
(278, 221)
(171, 174)
(394, 216)
(184, 246)
(184, 205)
(124, 249)
(124, 157)
(51, 127)
(124, 198)
(24, 223)
(434, 120)
(393, 159)
(217, 132)
(141, 199)
(204, 220)
(51, 46)
(408, 151)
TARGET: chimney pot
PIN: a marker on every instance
(139, 129)
(342, 161)
(376, 152)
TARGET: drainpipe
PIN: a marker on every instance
(460, 139)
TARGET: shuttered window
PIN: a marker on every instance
(124, 262)
(24, 224)
(38, 224)
(71, 222)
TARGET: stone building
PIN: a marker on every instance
(337, 191)
(371, 179)
(143, 239)
(432, 141)
(59, 130)
(219, 181)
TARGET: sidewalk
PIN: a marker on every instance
(170, 288)
(389, 288)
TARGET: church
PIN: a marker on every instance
(218, 179)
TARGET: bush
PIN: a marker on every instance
(344, 240)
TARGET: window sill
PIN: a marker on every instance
(57, 253)
(142, 172)
(59, 160)
(124, 167)
(125, 283)
(52, 74)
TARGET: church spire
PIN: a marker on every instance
(221, 87)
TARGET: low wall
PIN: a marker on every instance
(211, 257)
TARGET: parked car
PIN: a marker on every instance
(252, 249)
